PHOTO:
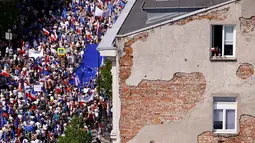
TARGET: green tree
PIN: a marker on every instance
(75, 132)
(8, 14)
(105, 80)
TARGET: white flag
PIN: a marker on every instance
(86, 99)
(98, 12)
(35, 54)
(107, 13)
(77, 80)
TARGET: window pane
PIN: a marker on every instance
(217, 40)
(229, 35)
(218, 119)
(230, 119)
(224, 99)
(228, 50)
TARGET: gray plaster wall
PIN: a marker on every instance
(164, 54)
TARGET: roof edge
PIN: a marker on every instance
(109, 37)
(158, 8)
(176, 18)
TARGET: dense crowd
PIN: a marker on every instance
(31, 115)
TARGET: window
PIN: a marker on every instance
(225, 115)
(223, 41)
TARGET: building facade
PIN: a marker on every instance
(186, 79)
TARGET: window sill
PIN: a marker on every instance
(223, 59)
(224, 133)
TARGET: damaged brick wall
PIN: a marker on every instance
(247, 24)
(246, 134)
(155, 101)
(214, 15)
(245, 71)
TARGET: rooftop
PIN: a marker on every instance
(161, 4)
(138, 16)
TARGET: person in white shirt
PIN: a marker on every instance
(14, 56)
(82, 53)
(10, 51)
(6, 50)
(37, 141)
(25, 141)
(38, 124)
(1, 134)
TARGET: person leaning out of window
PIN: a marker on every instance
(216, 51)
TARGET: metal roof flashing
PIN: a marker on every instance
(109, 37)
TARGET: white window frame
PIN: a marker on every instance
(223, 40)
(225, 106)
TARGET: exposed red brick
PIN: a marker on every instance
(155, 101)
(214, 15)
(247, 24)
(245, 71)
(246, 134)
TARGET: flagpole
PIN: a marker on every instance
(98, 76)
(1, 117)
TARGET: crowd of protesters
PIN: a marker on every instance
(31, 115)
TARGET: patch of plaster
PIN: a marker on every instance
(246, 134)
(247, 8)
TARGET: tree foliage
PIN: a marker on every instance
(105, 80)
(8, 13)
(75, 132)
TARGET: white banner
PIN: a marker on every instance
(37, 88)
(107, 13)
(86, 99)
(35, 54)
(99, 12)
(8, 36)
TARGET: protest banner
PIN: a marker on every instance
(61, 51)
(35, 54)
(37, 88)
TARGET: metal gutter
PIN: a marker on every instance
(109, 37)
(176, 18)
